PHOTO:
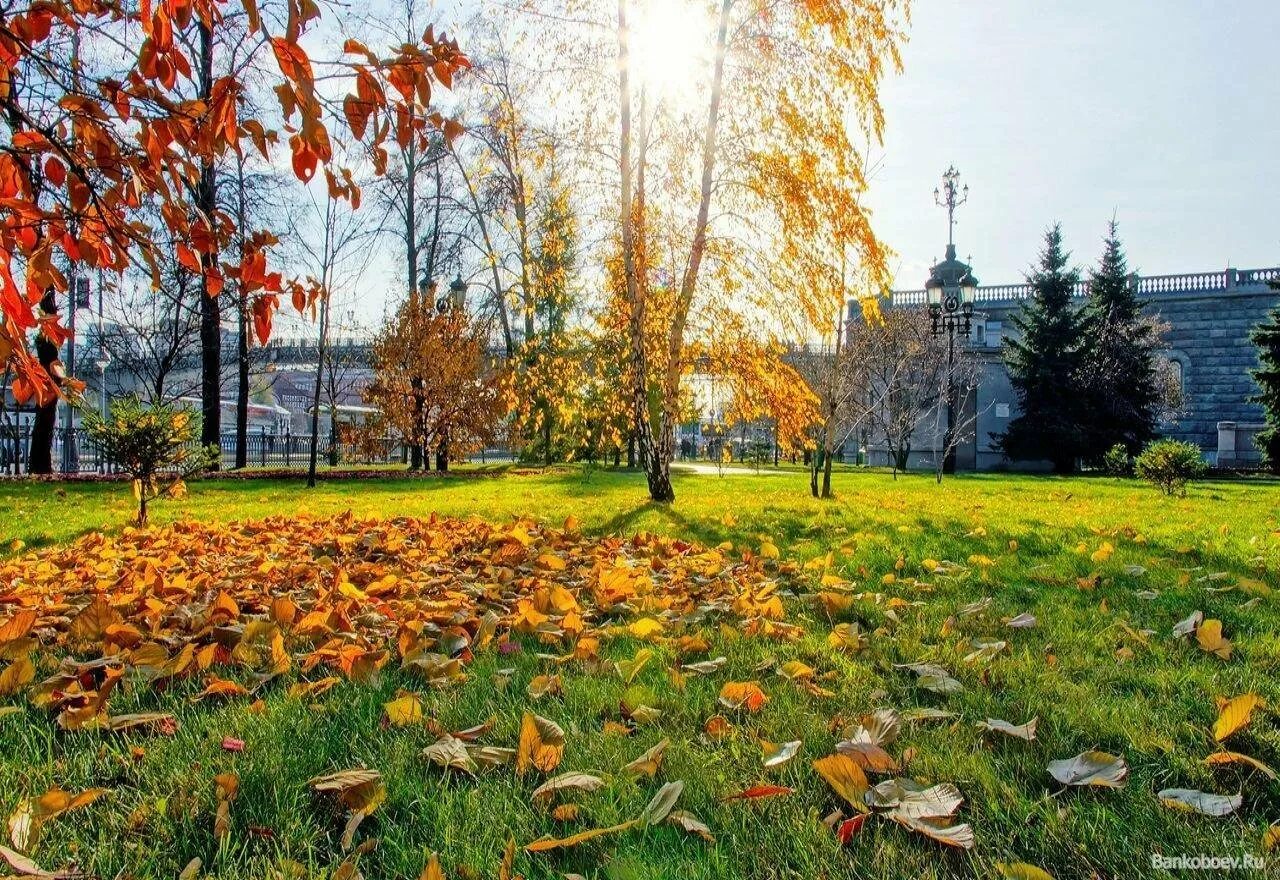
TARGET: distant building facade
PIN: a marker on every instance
(1206, 342)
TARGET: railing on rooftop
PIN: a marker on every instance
(1187, 282)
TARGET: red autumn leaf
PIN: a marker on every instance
(758, 791)
(293, 61)
(54, 171)
(304, 159)
(849, 827)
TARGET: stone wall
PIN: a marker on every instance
(1209, 337)
(1209, 316)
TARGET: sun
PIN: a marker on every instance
(671, 47)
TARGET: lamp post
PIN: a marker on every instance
(950, 293)
(457, 295)
(103, 361)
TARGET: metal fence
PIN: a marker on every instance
(75, 453)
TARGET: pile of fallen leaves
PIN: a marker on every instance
(339, 597)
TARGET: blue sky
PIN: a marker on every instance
(1166, 112)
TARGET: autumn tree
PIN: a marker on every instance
(433, 381)
(781, 76)
(764, 387)
(501, 178)
(549, 367)
(898, 377)
(335, 261)
(89, 146)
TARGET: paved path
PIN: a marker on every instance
(706, 467)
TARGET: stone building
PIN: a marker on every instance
(1208, 316)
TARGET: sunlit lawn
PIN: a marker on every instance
(1100, 670)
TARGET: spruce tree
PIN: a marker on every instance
(1267, 337)
(1046, 363)
(1120, 366)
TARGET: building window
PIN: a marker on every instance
(1002, 410)
(979, 334)
(992, 330)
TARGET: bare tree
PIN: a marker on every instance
(330, 239)
(345, 373)
(901, 374)
(152, 332)
(954, 419)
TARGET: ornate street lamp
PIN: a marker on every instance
(950, 293)
(457, 293)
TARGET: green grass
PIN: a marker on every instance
(1208, 551)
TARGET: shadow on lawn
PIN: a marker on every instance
(625, 522)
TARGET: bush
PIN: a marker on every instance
(150, 442)
(1169, 464)
(1116, 462)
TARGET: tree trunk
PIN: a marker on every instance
(315, 397)
(826, 464)
(410, 157)
(655, 471)
(40, 452)
(325, 263)
(442, 455)
(491, 255)
(417, 456)
(242, 343)
(659, 466)
(546, 438)
(522, 227)
(210, 320)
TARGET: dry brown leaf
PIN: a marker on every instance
(1090, 768)
(691, 824)
(541, 744)
(777, 754)
(844, 775)
(1209, 637)
(1025, 732)
(1235, 715)
(432, 869)
(1204, 803)
(566, 782)
(450, 753)
(1221, 758)
(547, 844)
(649, 762)
(743, 695)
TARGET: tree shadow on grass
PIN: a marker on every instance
(628, 522)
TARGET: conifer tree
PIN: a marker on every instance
(1120, 380)
(1046, 363)
(1267, 337)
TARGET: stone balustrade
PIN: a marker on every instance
(1186, 282)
